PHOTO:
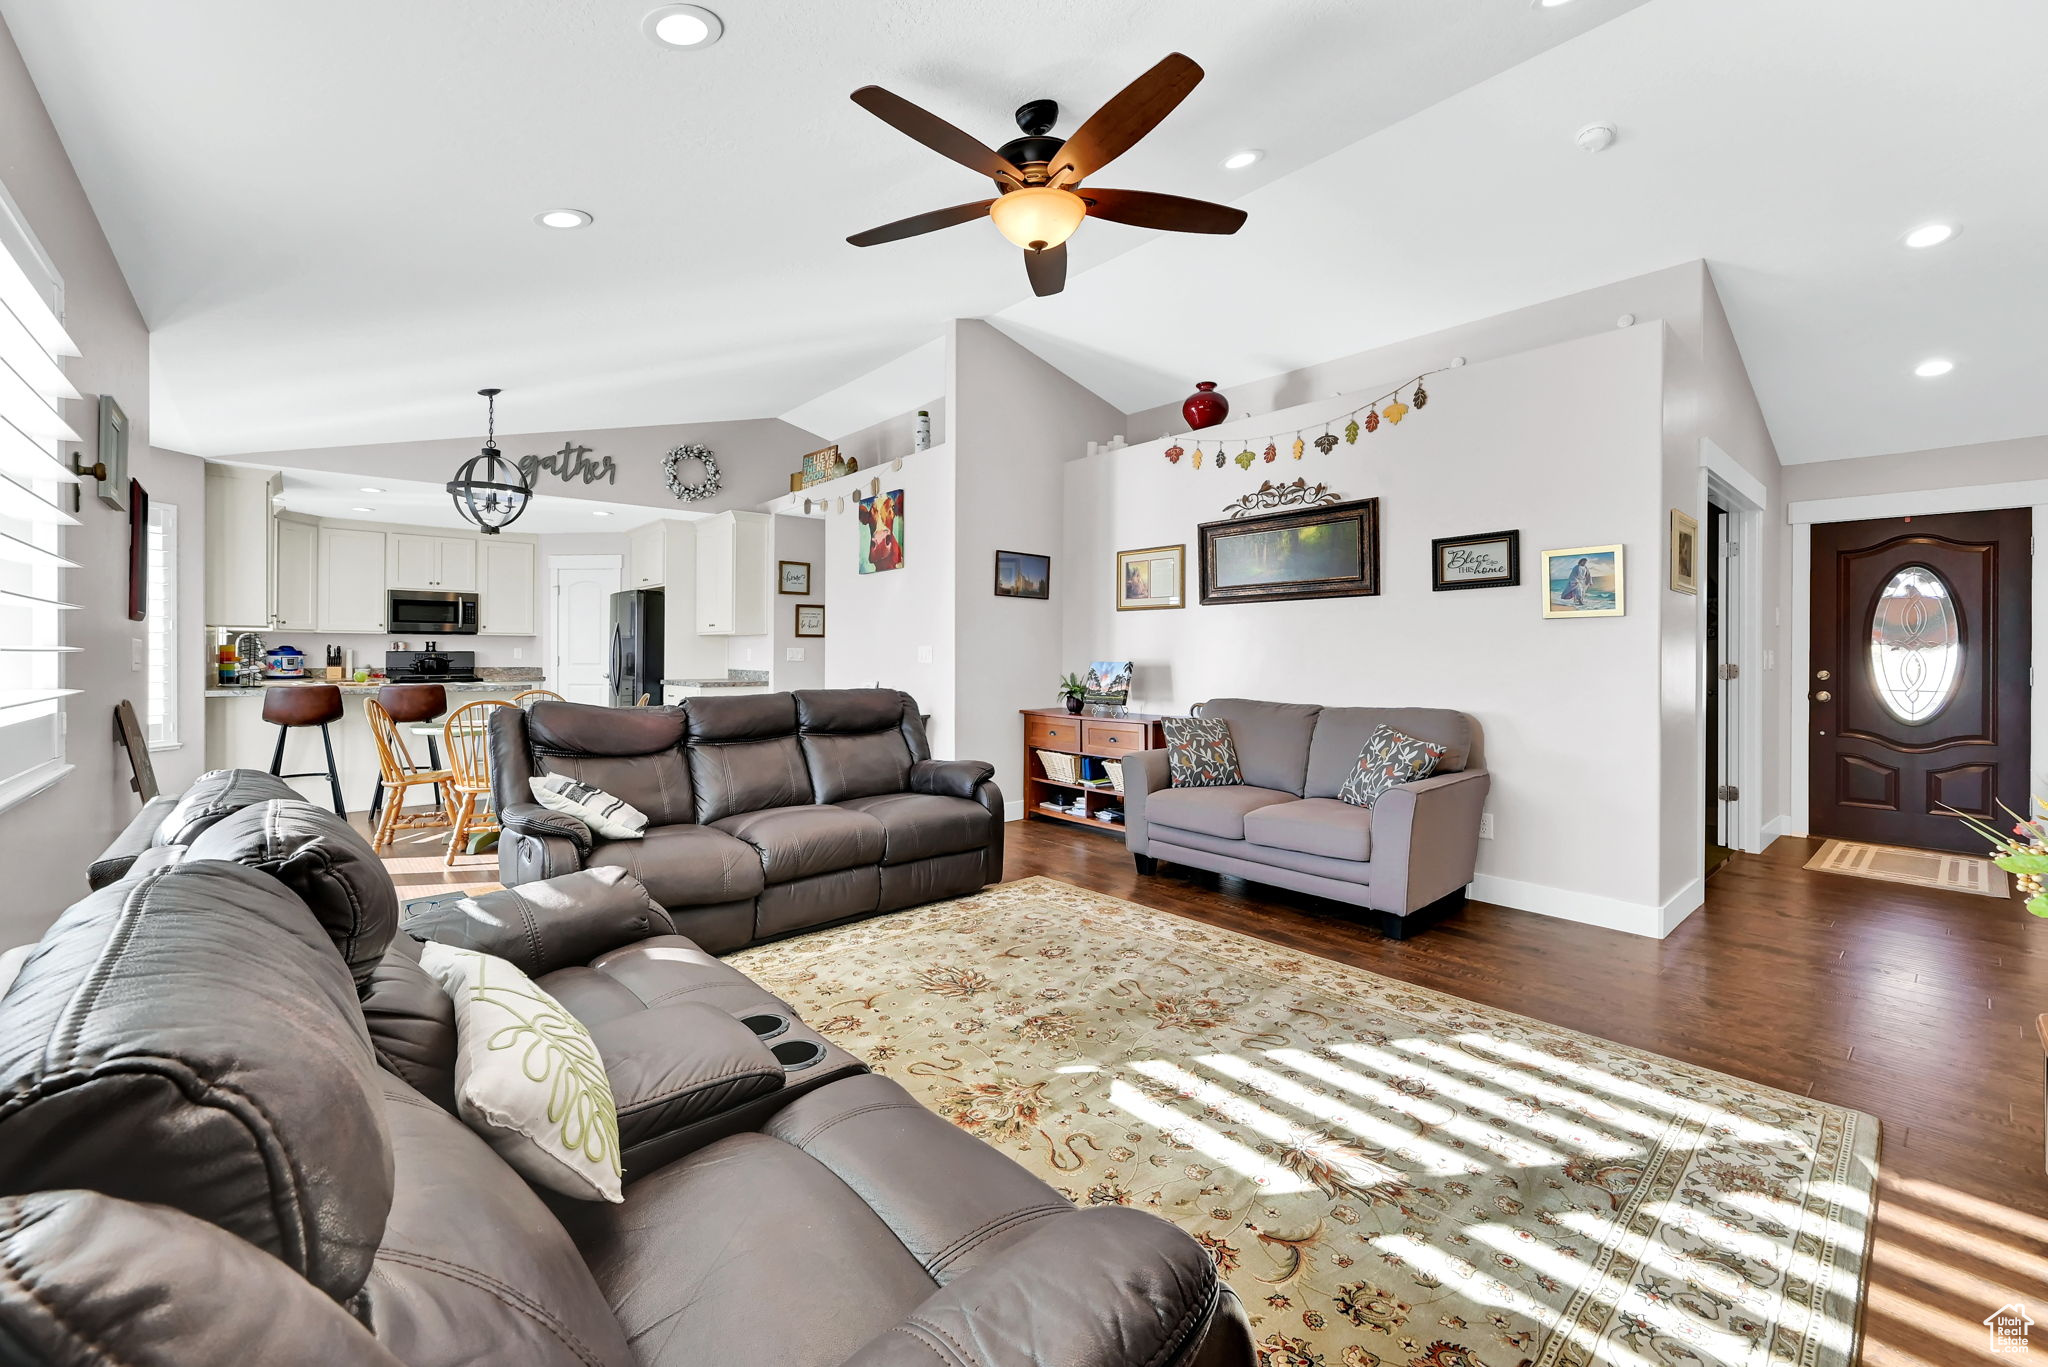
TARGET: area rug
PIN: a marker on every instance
(1387, 1175)
(1920, 868)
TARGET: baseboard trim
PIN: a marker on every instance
(1609, 913)
(1782, 825)
(1013, 810)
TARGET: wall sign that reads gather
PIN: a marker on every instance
(707, 480)
(571, 463)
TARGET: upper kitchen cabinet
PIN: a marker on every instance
(295, 603)
(241, 546)
(647, 556)
(733, 587)
(505, 603)
(352, 579)
(430, 562)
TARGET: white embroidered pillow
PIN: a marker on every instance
(528, 1077)
(611, 817)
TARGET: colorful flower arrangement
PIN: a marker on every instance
(2023, 854)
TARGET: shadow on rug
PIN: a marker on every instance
(1387, 1175)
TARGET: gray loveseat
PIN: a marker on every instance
(1408, 857)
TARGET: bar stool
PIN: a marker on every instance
(290, 705)
(407, 704)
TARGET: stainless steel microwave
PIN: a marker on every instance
(418, 612)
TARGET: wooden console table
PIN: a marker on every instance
(1095, 733)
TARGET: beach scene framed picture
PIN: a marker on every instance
(1583, 581)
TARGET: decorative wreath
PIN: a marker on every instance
(704, 487)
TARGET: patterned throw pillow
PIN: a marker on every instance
(1200, 753)
(528, 1077)
(1389, 757)
(610, 817)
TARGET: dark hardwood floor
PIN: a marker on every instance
(1916, 1006)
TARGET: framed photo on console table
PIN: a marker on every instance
(1490, 560)
(1152, 578)
(1327, 552)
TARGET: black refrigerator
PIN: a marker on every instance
(636, 646)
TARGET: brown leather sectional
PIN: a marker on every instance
(225, 1137)
(767, 814)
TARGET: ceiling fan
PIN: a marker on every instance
(1039, 200)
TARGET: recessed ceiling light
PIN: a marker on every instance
(1237, 161)
(1930, 235)
(562, 218)
(687, 26)
(599, 512)
(1933, 366)
(1549, 4)
(371, 489)
(362, 510)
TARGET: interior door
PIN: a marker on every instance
(1918, 700)
(581, 631)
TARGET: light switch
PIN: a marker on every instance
(135, 654)
(518, 652)
(924, 655)
(792, 652)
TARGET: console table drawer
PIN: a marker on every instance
(1049, 734)
(1112, 737)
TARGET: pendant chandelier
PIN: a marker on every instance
(489, 490)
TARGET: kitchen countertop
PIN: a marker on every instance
(738, 678)
(364, 689)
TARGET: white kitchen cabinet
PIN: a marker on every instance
(733, 574)
(240, 547)
(647, 556)
(351, 578)
(505, 602)
(430, 562)
(296, 602)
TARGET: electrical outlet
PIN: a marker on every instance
(1486, 825)
(924, 655)
(518, 652)
(792, 652)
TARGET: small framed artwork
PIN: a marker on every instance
(1489, 560)
(1331, 551)
(1020, 574)
(1685, 553)
(138, 551)
(113, 482)
(1151, 578)
(881, 515)
(1107, 683)
(793, 576)
(810, 619)
(1583, 581)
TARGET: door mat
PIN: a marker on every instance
(1920, 868)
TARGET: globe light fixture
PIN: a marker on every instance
(1038, 217)
(488, 489)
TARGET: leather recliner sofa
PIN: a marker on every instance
(767, 814)
(225, 1137)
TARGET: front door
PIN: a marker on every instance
(1918, 697)
(581, 623)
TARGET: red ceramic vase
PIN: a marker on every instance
(1205, 407)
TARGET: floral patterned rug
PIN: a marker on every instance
(1387, 1175)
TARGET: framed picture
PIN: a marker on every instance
(1489, 560)
(1685, 553)
(882, 518)
(113, 484)
(810, 619)
(1107, 683)
(138, 551)
(1020, 574)
(1327, 552)
(1154, 577)
(1584, 581)
(793, 576)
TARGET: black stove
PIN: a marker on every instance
(430, 666)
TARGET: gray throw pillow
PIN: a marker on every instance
(1200, 752)
(1390, 757)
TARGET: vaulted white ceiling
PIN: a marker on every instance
(325, 210)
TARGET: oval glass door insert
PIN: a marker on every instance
(1916, 645)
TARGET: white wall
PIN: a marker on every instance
(1562, 443)
(798, 538)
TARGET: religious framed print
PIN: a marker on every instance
(810, 619)
(1020, 574)
(1489, 560)
(1151, 578)
(1327, 552)
(793, 576)
(1685, 553)
(1584, 581)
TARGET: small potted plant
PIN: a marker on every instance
(1073, 690)
(2023, 854)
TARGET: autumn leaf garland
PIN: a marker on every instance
(1386, 409)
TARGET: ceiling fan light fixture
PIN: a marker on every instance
(683, 26)
(1038, 217)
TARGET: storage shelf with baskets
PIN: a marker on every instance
(1073, 765)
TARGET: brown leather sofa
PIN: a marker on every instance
(767, 814)
(224, 1137)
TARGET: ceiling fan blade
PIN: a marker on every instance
(922, 223)
(1130, 114)
(1144, 209)
(1047, 269)
(934, 132)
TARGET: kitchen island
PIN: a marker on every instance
(237, 737)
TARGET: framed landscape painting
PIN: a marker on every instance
(1584, 581)
(1152, 578)
(1108, 684)
(881, 520)
(1327, 552)
(1488, 560)
(1019, 574)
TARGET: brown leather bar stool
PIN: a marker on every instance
(288, 705)
(410, 704)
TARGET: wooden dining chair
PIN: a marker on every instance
(534, 695)
(645, 698)
(396, 775)
(466, 739)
